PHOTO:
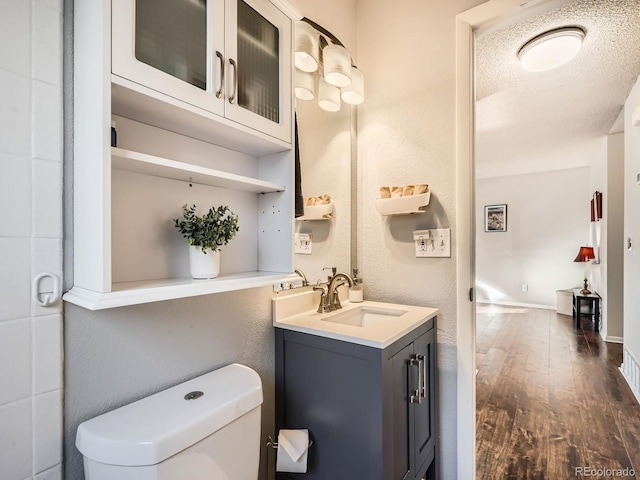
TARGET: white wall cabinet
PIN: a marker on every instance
(231, 58)
(179, 144)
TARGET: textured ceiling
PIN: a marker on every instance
(551, 120)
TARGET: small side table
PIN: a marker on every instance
(592, 301)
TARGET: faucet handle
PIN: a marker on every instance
(334, 270)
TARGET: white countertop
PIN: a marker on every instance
(297, 312)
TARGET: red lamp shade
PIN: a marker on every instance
(585, 254)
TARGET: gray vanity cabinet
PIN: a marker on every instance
(370, 411)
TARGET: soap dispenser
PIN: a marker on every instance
(356, 292)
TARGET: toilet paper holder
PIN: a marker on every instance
(274, 445)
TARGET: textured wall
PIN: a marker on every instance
(547, 221)
(406, 135)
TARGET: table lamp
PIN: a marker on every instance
(584, 255)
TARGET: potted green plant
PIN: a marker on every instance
(205, 235)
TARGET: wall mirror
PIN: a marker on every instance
(324, 140)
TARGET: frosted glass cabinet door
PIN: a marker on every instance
(259, 78)
(173, 46)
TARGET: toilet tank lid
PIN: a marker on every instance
(154, 428)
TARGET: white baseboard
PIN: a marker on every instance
(611, 339)
(516, 304)
(630, 369)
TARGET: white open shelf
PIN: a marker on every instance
(163, 167)
(133, 293)
(317, 212)
(408, 205)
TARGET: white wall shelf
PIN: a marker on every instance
(134, 293)
(408, 205)
(163, 167)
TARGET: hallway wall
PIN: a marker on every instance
(547, 221)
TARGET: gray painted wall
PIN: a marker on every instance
(117, 356)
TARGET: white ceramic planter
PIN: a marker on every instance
(203, 265)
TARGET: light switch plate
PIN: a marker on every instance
(302, 243)
(434, 243)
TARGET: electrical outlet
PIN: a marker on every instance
(525, 287)
(433, 243)
(302, 243)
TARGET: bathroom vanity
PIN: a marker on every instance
(362, 380)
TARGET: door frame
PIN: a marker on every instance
(488, 16)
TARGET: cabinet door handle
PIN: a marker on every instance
(423, 386)
(416, 396)
(221, 89)
(232, 97)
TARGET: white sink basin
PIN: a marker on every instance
(364, 316)
(374, 324)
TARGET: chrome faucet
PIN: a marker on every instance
(301, 274)
(336, 282)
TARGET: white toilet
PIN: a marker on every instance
(205, 429)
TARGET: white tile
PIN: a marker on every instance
(15, 360)
(15, 440)
(47, 198)
(47, 430)
(15, 278)
(47, 354)
(54, 473)
(15, 113)
(46, 46)
(47, 121)
(15, 41)
(15, 196)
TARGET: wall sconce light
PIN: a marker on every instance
(585, 255)
(318, 53)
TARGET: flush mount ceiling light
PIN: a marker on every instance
(551, 49)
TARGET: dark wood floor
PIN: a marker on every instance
(550, 399)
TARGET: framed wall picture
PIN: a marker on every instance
(495, 218)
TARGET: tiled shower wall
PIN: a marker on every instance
(30, 237)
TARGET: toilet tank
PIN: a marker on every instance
(205, 429)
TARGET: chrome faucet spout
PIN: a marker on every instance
(334, 297)
(300, 273)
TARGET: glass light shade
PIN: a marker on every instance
(337, 65)
(306, 47)
(304, 85)
(328, 96)
(354, 93)
(551, 49)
